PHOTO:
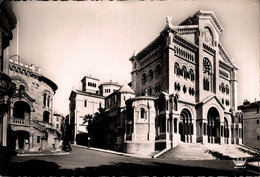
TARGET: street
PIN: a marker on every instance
(83, 161)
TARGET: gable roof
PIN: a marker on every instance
(190, 20)
(207, 99)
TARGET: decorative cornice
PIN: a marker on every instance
(225, 56)
(183, 42)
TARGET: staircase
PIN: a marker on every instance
(198, 151)
(232, 151)
(186, 151)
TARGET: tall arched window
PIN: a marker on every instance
(191, 75)
(85, 103)
(227, 89)
(176, 68)
(151, 74)
(158, 69)
(44, 99)
(144, 78)
(207, 77)
(184, 72)
(48, 101)
(142, 113)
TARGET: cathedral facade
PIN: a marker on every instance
(185, 89)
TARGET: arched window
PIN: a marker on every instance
(222, 88)
(44, 99)
(176, 68)
(184, 72)
(227, 89)
(142, 113)
(206, 66)
(191, 75)
(207, 70)
(151, 74)
(144, 78)
(100, 105)
(158, 69)
(85, 103)
(48, 101)
(21, 88)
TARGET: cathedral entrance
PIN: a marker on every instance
(185, 126)
(213, 126)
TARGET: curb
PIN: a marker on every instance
(109, 151)
(42, 154)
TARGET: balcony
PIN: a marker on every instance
(23, 122)
(37, 124)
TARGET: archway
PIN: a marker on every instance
(186, 126)
(22, 139)
(22, 110)
(213, 125)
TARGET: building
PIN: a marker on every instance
(82, 103)
(108, 88)
(30, 122)
(116, 110)
(58, 121)
(185, 89)
(251, 123)
(7, 24)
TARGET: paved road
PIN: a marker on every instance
(88, 162)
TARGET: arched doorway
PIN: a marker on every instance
(22, 110)
(213, 125)
(21, 139)
(185, 126)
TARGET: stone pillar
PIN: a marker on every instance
(229, 134)
(222, 133)
(11, 110)
(31, 141)
(4, 142)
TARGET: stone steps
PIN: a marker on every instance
(199, 151)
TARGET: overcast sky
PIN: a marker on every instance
(69, 40)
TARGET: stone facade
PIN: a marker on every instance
(7, 24)
(185, 83)
(30, 119)
(250, 116)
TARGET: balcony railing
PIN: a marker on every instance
(20, 121)
(38, 124)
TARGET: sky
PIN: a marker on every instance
(70, 40)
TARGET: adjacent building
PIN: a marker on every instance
(86, 102)
(30, 121)
(250, 116)
(7, 24)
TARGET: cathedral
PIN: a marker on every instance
(185, 89)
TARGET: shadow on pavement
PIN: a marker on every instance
(40, 167)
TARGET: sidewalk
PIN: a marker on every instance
(111, 152)
(44, 153)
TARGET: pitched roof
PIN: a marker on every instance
(126, 89)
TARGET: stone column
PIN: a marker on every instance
(4, 141)
(11, 110)
(229, 135)
(31, 141)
